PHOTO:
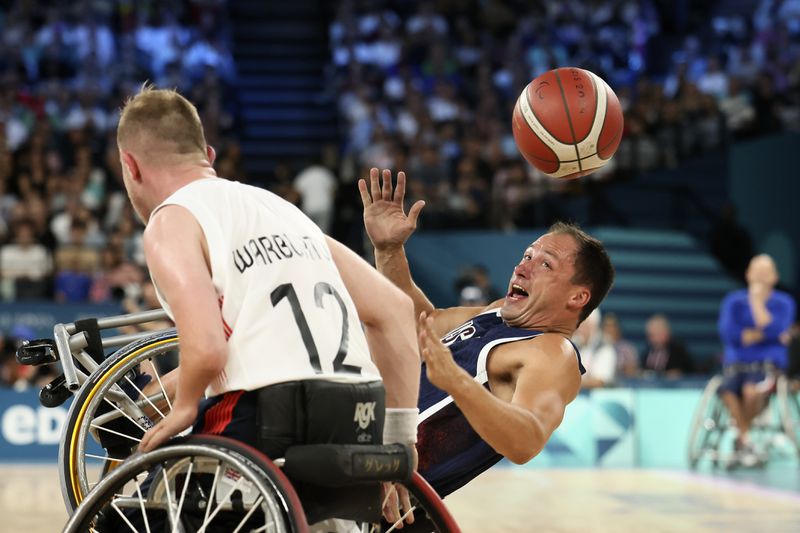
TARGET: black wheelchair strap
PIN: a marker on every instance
(95, 346)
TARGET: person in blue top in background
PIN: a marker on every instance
(754, 326)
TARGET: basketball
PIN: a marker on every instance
(567, 123)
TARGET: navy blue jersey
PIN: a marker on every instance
(451, 453)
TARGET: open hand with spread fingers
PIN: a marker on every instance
(384, 216)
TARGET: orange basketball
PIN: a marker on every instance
(567, 123)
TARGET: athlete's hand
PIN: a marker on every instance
(180, 418)
(442, 370)
(384, 218)
(395, 499)
(396, 505)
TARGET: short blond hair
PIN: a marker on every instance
(160, 122)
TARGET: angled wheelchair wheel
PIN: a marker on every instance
(202, 484)
(707, 426)
(110, 413)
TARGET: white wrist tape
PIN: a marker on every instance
(400, 425)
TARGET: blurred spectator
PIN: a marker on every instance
(281, 183)
(597, 353)
(146, 301)
(627, 355)
(475, 288)
(25, 265)
(11, 372)
(713, 81)
(754, 325)
(316, 185)
(469, 197)
(116, 277)
(739, 112)
(76, 263)
(665, 355)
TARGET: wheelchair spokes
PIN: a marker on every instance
(125, 397)
(184, 488)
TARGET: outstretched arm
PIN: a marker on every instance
(389, 325)
(388, 228)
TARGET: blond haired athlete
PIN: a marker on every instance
(269, 310)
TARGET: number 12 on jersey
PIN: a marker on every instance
(321, 289)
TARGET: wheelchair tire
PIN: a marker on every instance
(277, 499)
(707, 412)
(72, 460)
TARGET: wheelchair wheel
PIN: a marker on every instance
(707, 424)
(202, 484)
(109, 415)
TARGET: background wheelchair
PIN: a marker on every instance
(774, 432)
(207, 484)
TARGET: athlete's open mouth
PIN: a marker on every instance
(517, 292)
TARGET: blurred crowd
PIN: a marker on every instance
(67, 231)
(429, 87)
(423, 86)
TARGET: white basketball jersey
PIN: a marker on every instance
(285, 309)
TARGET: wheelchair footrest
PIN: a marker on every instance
(37, 352)
(55, 393)
(340, 465)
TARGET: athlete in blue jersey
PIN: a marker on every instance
(498, 378)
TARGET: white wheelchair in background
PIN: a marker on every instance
(774, 432)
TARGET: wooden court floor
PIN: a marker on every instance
(509, 500)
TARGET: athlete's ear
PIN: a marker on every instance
(211, 153)
(131, 164)
(579, 298)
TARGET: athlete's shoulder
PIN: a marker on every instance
(552, 344)
(547, 354)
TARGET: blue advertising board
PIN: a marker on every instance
(28, 431)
